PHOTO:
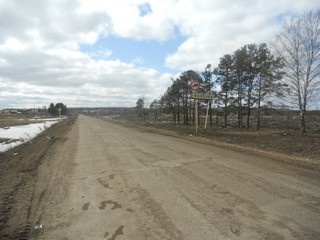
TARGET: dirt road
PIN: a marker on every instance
(107, 181)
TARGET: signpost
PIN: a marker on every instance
(60, 113)
(195, 85)
(203, 96)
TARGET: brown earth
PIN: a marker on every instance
(279, 144)
(18, 175)
(97, 179)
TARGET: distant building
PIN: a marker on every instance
(11, 111)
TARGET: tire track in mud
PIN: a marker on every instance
(8, 209)
(17, 203)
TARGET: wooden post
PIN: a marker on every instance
(205, 125)
(196, 109)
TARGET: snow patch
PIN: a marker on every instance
(21, 134)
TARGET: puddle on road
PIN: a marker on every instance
(116, 205)
(104, 184)
(85, 206)
(129, 210)
(118, 232)
(103, 205)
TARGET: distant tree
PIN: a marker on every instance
(54, 109)
(176, 94)
(269, 73)
(63, 108)
(140, 106)
(225, 79)
(155, 107)
(250, 71)
(186, 78)
(299, 46)
(177, 98)
(257, 74)
(240, 57)
(172, 99)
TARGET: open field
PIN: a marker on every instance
(7, 120)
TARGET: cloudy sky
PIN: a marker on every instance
(110, 53)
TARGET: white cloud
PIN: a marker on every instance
(127, 20)
(41, 61)
(215, 28)
(77, 79)
(13, 44)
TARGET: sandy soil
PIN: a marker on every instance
(101, 180)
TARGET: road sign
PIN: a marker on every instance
(196, 97)
(195, 85)
(204, 96)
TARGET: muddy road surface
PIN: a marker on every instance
(108, 181)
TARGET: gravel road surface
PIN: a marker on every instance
(108, 181)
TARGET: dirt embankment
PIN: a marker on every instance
(18, 174)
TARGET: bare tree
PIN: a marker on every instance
(299, 46)
(155, 107)
(140, 106)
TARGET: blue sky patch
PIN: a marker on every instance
(281, 18)
(144, 53)
(144, 9)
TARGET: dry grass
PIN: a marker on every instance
(8, 120)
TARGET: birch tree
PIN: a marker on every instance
(299, 46)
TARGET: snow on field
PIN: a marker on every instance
(20, 134)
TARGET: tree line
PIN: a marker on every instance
(253, 75)
(54, 109)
